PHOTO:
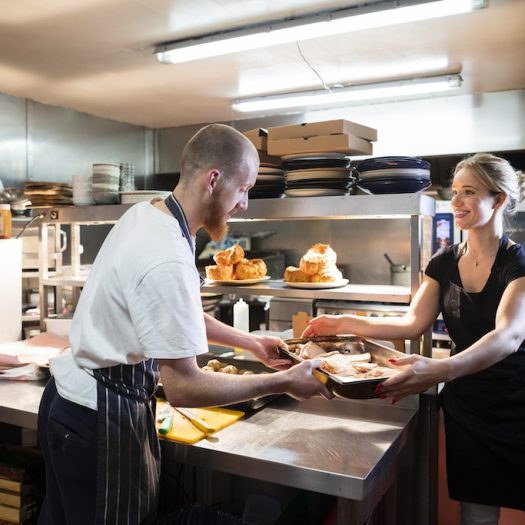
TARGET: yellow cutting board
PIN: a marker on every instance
(184, 431)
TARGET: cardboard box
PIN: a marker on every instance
(327, 143)
(268, 160)
(258, 137)
(327, 127)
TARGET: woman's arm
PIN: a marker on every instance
(422, 312)
(496, 345)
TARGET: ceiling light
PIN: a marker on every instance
(325, 23)
(359, 93)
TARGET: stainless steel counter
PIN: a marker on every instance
(19, 403)
(336, 447)
(349, 449)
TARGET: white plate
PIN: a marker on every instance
(314, 192)
(319, 286)
(239, 282)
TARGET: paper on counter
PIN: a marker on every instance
(38, 349)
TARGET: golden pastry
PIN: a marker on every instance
(312, 263)
(292, 274)
(250, 269)
(230, 256)
(326, 250)
(327, 275)
(219, 273)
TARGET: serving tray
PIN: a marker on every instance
(349, 388)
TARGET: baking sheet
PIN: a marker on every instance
(349, 388)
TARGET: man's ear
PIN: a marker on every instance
(212, 179)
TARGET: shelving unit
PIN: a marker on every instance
(418, 208)
(75, 274)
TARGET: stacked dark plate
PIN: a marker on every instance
(318, 174)
(393, 175)
(270, 183)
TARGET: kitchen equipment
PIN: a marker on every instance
(106, 183)
(5, 221)
(351, 387)
(11, 290)
(127, 176)
(399, 273)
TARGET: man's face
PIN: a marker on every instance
(227, 198)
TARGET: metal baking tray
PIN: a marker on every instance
(350, 388)
(257, 367)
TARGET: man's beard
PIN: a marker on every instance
(214, 220)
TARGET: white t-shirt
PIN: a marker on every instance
(141, 300)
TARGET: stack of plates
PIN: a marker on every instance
(393, 175)
(270, 183)
(106, 183)
(132, 197)
(318, 174)
(48, 194)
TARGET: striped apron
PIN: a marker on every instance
(128, 469)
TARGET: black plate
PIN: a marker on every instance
(355, 389)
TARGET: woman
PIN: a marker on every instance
(479, 287)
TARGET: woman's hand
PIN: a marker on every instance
(266, 348)
(420, 374)
(322, 325)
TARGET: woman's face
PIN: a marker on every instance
(472, 203)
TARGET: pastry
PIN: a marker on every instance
(293, 274)
(312, 263)
(326, 251)
(327, 275)
(250, 269)
(230, 256)
(219, 273)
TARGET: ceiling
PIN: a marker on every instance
(96, 56)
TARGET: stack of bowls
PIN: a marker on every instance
(393, 175)
(106, 181)
(82, 190)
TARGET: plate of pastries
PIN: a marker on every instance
(232, 267)
(317, 269)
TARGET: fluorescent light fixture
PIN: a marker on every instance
(358, 93)
(325, 23)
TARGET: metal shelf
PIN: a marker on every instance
(102, 214)
(350, 292)
(342, 208)
(350, 207)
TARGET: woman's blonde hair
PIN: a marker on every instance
(498, 176)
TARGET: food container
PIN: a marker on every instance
(348, 387)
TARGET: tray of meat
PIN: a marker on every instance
(352, 366)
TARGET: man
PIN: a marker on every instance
(140, 315)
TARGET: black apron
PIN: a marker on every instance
(484, 411)
(128, 472)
